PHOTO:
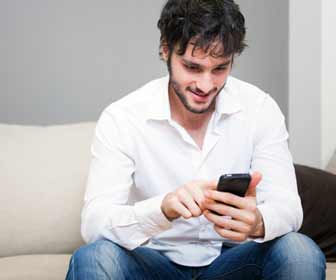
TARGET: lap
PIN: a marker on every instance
(276, 259)
(104, 259)
(282, 258)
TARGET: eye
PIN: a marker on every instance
(220, 69)
(192, 68)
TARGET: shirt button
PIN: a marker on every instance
(203, 229)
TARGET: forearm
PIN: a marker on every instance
(280, 217)
(128, 226)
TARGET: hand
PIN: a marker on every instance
(245, 220)
(186, 201)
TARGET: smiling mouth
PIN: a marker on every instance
(199, 94)
(200, 98)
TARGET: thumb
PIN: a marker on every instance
(256, 178)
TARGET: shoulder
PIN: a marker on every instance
(247, 94)
(120, 122)
(139, 103)
(254, 100)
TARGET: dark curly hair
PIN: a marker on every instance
(206, 22)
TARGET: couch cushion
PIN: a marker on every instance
(43, 174)
(317, 189)
(34, 267)
(331, 271)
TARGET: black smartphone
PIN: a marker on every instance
(234, 183)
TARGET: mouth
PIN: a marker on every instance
(199, 97)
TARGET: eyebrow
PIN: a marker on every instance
(190, 63)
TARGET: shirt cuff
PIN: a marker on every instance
(270, 228)
(150, 217)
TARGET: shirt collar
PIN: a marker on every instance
(227, 102)
(159, 108)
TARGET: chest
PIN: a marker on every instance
(167, 157)
(197, 135)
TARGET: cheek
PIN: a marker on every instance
(220, 80)
(182, 77)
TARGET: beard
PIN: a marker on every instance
(178, 92)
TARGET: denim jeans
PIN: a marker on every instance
(292, 256)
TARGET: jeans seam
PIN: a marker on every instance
(235, 270)
(96, 263)
(73, 268)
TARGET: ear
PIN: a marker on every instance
(164, 51)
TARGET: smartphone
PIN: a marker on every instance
(234, 183)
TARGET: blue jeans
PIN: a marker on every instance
(292, 256)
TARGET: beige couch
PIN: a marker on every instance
(42, 181)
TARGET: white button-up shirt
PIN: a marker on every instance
(139, 154)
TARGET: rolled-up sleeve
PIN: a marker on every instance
(105, 213)
(277, 196)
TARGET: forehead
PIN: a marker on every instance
(213, 52)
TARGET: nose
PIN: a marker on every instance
(205, 83)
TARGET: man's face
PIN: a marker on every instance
(197, 78)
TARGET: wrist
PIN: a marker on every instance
(259, 230)
(165, 214)
(166, 210)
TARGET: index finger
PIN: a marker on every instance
(226, 198)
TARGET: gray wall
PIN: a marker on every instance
(265, 62)
(64, 61)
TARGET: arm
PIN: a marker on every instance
(276, 209)
(277, 195)
(105, 213)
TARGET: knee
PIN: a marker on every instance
(101, 249)
(101, 259)
(299, 248)
(297, 255)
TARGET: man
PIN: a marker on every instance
(151, 206)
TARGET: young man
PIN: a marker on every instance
(151, 206)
